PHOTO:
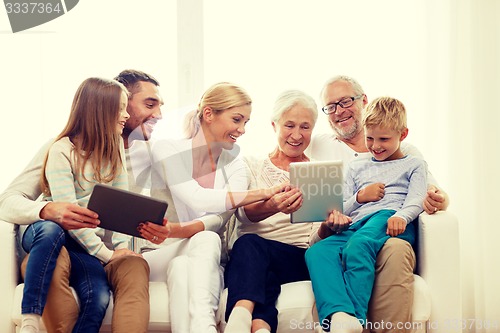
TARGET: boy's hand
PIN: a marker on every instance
(395, 226)
(338, 222)
(370, 193)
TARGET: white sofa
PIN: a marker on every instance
(437, 300)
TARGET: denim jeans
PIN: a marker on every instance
(90, 282)
(43, 240)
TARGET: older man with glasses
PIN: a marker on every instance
(392, 297)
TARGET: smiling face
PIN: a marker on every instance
(345, 122)
(384, 143)
(227, 126)
(294, 129)
(123, 115)
(144, 110)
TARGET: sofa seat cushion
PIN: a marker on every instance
(159, 318)
(421, 310)
(297, 310)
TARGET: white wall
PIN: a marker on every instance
(270, 46)
(41, 68)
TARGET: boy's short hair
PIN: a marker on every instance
(386, 112)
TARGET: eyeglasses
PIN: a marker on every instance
(344, 103)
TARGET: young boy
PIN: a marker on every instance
(382, 196)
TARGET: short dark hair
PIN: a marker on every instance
(130, 78)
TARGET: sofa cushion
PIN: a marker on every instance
(297, 310)
(421, 310)
(159, 318)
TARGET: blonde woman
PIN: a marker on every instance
(204, 180)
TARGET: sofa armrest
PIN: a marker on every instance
(438, 256)
(9, 277)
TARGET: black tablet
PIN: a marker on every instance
(122, 211)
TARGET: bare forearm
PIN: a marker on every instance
(259, 211)
(185, 229)
(239, 199)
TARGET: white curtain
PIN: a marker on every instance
(473, 128)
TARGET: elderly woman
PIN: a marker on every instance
(270, 250)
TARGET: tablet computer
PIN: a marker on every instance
(321, 184)
(122, 211)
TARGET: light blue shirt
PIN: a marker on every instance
(405, 182)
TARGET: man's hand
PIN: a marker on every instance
(435, 200)
(371, 193)
(395, 226)
(69, 216)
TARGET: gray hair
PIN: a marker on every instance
(358, 90)
(290, 98)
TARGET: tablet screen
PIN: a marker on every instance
(321, 184)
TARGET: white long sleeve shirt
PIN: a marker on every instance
(172, 180)
(18, 203)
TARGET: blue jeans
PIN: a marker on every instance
(90, 282)
(43, 240)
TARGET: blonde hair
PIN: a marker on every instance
(386, 112)
(92, 129)
(219, 97)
